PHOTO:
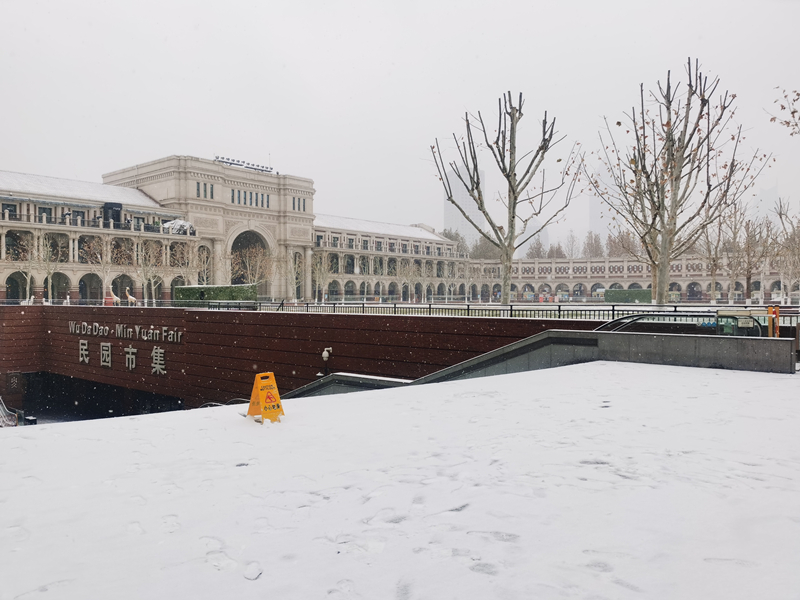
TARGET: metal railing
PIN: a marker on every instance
(595, 312)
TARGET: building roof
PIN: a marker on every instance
(375, 228)
(55, 188)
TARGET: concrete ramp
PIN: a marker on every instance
(555, 348)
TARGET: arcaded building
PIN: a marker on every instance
(184, 220)
(82, 234)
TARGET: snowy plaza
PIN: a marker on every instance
(601, 480)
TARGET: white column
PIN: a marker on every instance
(308, 288)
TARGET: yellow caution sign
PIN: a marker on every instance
(265, 401)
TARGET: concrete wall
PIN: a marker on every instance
(557, 348)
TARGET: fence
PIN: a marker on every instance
(598, 312)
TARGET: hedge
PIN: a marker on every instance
(632, 296)
(194, 294)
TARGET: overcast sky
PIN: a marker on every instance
(352, 94)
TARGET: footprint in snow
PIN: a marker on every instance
(345, 590)
(135, 527)
(170, 523)
(220, 561)
(252, 571)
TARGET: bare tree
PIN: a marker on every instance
(679, 172)
(184, 258)
(23, 251)
(622, 244)
(453, 235)
(789, 111)
(710, 247)
(405, 274)
(455, 274)
(204, 265)
(297, 269)
(556, 251)
(536, 249)
(750, 245)
(593, 246)
(572, 246)
(96, 251)
(787, 243)
(483, 249)
(320, 272)
(255, 265)
(150, 268)
(53, 253)
(522, 200)
(733, 227)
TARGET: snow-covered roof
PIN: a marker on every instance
(55, 188)
(375, 228)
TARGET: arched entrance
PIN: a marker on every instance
(694, 292)
(334, 291)
(120, 284)
(90, 289)
(16, 287)
(252, 262)
(61, 285)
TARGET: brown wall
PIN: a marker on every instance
(220, 351)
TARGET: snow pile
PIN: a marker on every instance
(604, 480)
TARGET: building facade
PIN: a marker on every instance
(183, 220)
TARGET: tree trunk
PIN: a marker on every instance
(505, 291)
(662, 281)
(713, 297)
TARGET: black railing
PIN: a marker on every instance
(594, 312)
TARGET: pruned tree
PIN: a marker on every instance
(789, 107)
(677, 171)
(523, 200)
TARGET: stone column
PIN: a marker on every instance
(308, 289)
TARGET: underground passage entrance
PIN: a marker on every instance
(51, 398)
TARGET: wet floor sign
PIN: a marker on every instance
(265, 401)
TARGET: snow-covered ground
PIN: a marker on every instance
(603, 480)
